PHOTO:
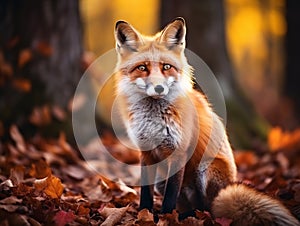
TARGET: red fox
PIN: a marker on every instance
(171, 122)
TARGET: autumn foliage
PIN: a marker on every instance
(46, 182)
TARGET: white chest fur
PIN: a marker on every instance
(154, 123)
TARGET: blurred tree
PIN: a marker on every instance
(292, 79)
(206, 37)
(40, 55)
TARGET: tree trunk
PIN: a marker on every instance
(292, 79)
(206, 37)
(40, 55)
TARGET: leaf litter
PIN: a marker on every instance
(46, 182)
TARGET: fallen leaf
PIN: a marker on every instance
(169, 219)
(40, 169)
(25, 56)
(51, 185)
(21, 84)
(44, 48)
(59, 113)
(41, 184)
(17, 174)
(75, 172)
(112, 215)
(283, 140)
(192, 221)
(245, 159)
(62, 218)
(145, 218)
(54, 187)
(82, 211)
(18, 138)
(145, 215)
(12, 208)
(40, 116)
(11, 200)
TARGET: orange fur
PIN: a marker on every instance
(156, 100)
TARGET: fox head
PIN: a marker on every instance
(152, 66)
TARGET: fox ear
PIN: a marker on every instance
(173, 35)
(126, 36)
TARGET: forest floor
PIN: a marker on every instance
(47, 182)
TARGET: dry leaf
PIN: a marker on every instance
(25, 56)
(245, 159)
(11, 200)
(18, 138)
(9, 208)
(54, 187)
(82, 211)
(51, 185)
(44, 48)
(192, 221)
(58, 112)
(145, 218)
(40, 169)
(112, 215)
(169, 219)
(62, 218)
(21, 84)
(145, 215)
(17, 174)
(40, 116)
(280, 140)
(41, 184)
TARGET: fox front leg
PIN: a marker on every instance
(147, 181)
(172, 189)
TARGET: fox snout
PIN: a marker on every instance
(155, 87)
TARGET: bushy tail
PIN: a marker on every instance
(246, 206)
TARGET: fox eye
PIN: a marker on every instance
(142, 67)
(166, 67)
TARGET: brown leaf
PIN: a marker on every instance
(22, 84)
(54, 187)
(17, 174)
(75, 172)
(83, 211)
(62, 218)
(169, 219)
(145, 215)
(18, 138)
(9, 208)
(280, 140)
(112, 215)
(51, 186)
(99, 192)
(41, 184)
(25, 56)
(40, 116)
(192, 221)
(145, 218)
(40, 169)
(245, 159)
(11, 200)
(58, 112)
(44, 48)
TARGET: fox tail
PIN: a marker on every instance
(246, 206)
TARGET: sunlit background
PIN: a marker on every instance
(254, 39)
(250, 45)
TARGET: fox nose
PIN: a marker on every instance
(159, 89)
